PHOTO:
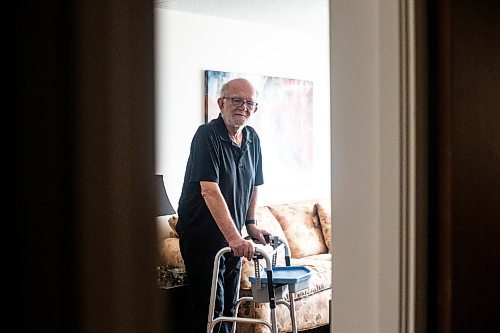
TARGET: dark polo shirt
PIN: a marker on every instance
(214, 157)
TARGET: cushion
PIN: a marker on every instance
(170, 253)
(303, 232)
(321, 273)
(325, 219)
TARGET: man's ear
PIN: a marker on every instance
(220, 102)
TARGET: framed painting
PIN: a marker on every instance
(283, 121)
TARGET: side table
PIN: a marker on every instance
(171, 277)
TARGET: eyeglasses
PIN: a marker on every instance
(239, 102)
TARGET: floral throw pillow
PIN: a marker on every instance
(302, 230)
(325, 219)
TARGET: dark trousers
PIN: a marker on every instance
(199, 268)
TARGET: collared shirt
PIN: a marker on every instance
(214, 157)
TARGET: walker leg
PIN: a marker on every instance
(215, 273)
(274, 321)
(237, 305)
(292, 311)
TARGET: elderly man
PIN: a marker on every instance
(219, 196)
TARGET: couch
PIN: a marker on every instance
(306, 227)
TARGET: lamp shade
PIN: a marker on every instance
(163, 205)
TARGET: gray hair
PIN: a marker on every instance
(225, 87)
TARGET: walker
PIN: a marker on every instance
(269, 285)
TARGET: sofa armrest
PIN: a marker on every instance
(170, 253)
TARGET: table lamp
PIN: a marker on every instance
(163, 205)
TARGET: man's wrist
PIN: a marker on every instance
(251, 221)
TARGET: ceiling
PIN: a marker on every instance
(306, 15)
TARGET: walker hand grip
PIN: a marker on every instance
(266, 237)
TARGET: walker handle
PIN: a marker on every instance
(266, 237)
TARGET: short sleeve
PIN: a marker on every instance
(205, 157)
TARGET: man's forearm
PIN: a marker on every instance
(219, 210)
(253, 204)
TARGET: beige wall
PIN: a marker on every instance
(365, 165)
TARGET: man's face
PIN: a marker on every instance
(238, 104)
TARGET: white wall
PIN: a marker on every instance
(187, 44)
